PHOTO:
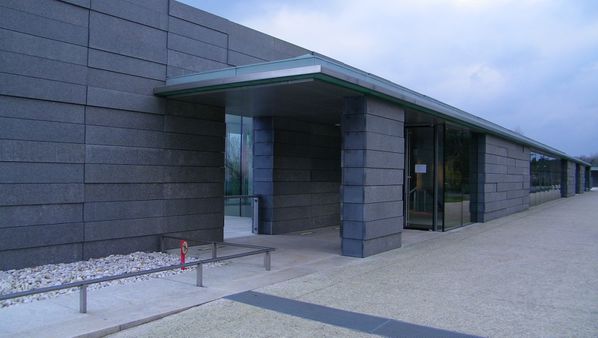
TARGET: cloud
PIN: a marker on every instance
(528, 63)
(478, 81)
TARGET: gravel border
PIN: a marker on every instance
(55, 274)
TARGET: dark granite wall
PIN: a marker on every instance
(297, 172)
(503, 178)
(91, 163)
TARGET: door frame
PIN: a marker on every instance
(407, 174)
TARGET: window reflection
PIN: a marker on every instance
(439, 178)
(545, 178)
(457, 155)
(238, 164)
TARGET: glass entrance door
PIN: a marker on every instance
(420, 197)
(438, 179)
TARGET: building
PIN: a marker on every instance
(113, 124)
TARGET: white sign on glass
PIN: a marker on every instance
(421, 168)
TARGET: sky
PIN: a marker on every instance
(528, 65)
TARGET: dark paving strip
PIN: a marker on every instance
(347, 319)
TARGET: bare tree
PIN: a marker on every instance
(593, 159)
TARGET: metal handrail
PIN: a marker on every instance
(82, 285)
(250, 246)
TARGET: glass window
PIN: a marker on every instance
(439, 177)
(545, 178)
(457, 163)
(238, 166)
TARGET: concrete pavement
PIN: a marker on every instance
(235, 227)
(533, 274)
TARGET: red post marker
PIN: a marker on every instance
(184, 250)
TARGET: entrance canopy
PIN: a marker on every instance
(312, 87)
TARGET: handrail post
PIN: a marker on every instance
(199, 276)
(214, 250)
(83, 299)
(267, 260)
(255, 220)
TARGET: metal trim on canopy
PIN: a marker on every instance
(313, 67)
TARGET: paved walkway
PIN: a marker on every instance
(530, 274)
(235, 227)
(118, 307)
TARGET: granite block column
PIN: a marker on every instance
(373, 161)
(567, 178)
(580, 179)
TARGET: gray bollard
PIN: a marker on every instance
(83, 299)
(199, 278)
(267, 260)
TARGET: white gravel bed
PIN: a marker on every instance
(55, 274)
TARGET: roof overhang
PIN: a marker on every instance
(318, 85)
